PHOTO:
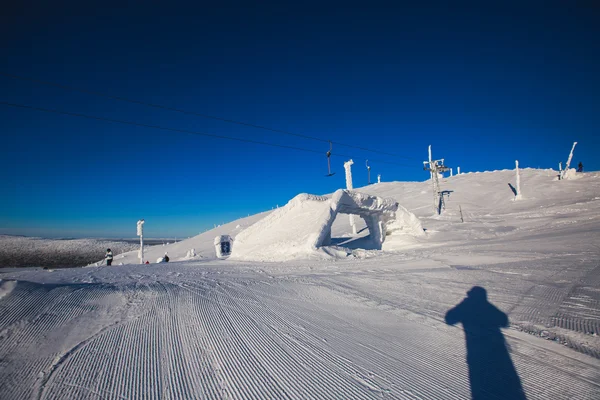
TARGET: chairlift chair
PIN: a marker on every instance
(329, 173)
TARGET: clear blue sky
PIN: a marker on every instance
(484, 85)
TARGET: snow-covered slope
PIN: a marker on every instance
(369, 325)
(485, 201)
(202, 244)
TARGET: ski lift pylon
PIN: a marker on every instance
(329, 173)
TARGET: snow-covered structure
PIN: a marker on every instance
(303, 226)
(223, 246)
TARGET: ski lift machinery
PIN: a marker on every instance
(329, 173)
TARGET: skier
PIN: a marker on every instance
(109, 257)
(580, 167)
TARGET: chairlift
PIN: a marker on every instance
(329, 173)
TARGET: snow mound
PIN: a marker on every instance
(303, 226)
(571, 174)
(6, 287)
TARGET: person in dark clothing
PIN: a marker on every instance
(491, 370)
(108, 257)
(166, 258)
(580, 167)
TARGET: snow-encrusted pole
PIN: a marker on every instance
(348, 168)
(559, 170)
(378, 178)
(457, 170)
(431, 173)
(451, 171)
(434, 181)
(140, 233)
(518, 196)
(564, 171)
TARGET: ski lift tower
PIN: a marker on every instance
(436, 167)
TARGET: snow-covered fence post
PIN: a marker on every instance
(451, 171)
(564, 171)
(518, 195)
(457, 170)
(140, 233)
(348, 168)
(378, 178)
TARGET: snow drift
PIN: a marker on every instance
(303, 226)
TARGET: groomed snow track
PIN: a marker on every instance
(244, 335)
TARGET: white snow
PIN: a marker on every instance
(303, 226)
(364, 324)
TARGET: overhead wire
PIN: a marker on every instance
(131, 123)
(232, 121)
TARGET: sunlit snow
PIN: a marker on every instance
(354, 322)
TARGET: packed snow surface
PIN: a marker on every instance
(367, 324)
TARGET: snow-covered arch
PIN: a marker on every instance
(302, 226)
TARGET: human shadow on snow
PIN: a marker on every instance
(492, 373)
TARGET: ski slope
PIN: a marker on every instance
(360, 324)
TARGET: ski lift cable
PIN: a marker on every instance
(181, 131)
(119, 98)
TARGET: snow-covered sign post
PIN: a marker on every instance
(140, 233)
(348, 168)
(518, 195)
(564, 171)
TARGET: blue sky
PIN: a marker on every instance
(484, 85)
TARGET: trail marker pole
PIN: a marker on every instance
(140, 233)
(378, 178)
